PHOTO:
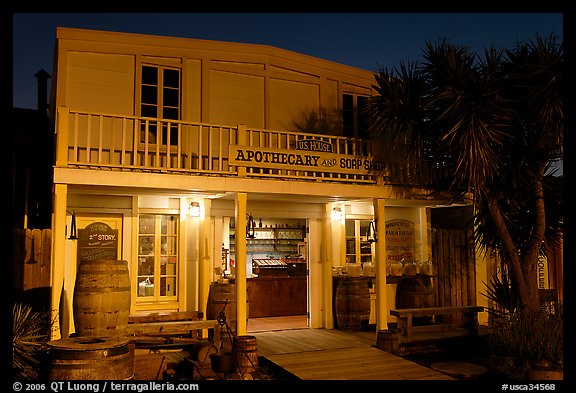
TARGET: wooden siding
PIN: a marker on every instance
(454, 267)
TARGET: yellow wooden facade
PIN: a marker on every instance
(114, 163)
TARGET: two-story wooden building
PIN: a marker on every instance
(203, 155)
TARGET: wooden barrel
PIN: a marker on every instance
(201, 352)
(246, 353)
(352, 303)
(90, 358)
(101, 301)
(415, 292)
(388, 340)
(222, 297)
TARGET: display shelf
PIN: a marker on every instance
(279, 239)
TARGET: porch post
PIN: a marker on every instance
(204, 259)
(380, 251)
(62, 136)
(326, 261)
(240, 215)
(59, 330)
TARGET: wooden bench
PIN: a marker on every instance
(167, 328)
(405, 317)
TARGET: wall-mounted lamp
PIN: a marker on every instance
(250, 228)
(336, 214)
(73, 235)
(372, 234)
(194, 209)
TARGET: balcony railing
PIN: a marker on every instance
(98, 140)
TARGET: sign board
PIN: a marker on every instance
(400, 240)
(304, 159)
(97, 241)
(543, 282)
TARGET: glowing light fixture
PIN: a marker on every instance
(194, 209)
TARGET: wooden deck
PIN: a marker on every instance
(327, 354)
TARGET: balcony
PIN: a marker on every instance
(129, 143)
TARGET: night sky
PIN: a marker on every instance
(365, 40)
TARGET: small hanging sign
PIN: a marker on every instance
(97, 241)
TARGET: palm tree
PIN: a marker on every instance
(496, 124)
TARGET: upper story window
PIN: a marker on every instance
(355, 116)
(160, 98)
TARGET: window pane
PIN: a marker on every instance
(364, 227)
(349, 227)
(171, 78)
(351, 246)
(168, 286)
(170, 97)
(149, 75)
(149, 111)
(347, 102)
(149, 95)
(146, 224)
(168, 245)
(145, 286)
(146, 245)
(168, 266)
(145, 266)
(170, 113)
(168, 225)
(363, 117)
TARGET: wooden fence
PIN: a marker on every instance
(32, 250)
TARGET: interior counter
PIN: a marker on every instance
(276, 296)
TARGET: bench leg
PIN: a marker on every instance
(409, 326)
(471, 322)
(402, 325)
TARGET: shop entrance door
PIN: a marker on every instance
(278, 284)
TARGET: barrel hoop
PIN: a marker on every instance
(88, 365)
(102, 289)
(87, 354)
(105, 261)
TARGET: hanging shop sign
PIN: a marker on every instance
(97, 241)
(543, 281)
(303, 160)
(400, 240)
(314, 145)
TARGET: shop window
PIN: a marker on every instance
(358, 248)
(160, 100)
(157, 257)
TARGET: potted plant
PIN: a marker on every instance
(525, 345)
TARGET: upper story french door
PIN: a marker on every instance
(160, 98)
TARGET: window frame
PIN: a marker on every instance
(149, 125)
(157, 256)
(360, 123)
